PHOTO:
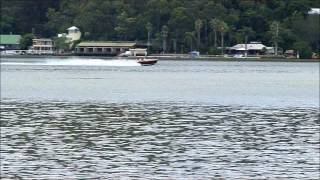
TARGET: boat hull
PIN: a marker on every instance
(147, 62)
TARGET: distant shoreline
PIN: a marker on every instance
(173, 58)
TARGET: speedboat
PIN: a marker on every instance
(147, 62)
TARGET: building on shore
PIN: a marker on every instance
(138, 52)
(314, 11)
(10, 42)
(102, 48)
(252, 48)
(135, 52)
(73, 34)
(42, 46)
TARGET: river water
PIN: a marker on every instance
(77, 118)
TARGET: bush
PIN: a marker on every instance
(26, 40)
(304, 49)
(214, 51)
(60, 44)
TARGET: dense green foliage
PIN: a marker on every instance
(60, 44)
(26, 40)
(190, 24)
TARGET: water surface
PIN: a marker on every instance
(179, 120)
(239, 83)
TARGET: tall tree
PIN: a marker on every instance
(180, 22)
(274, 27)
(214, 24)
(164, 35)
(189, 37)
(149, 30)
(198, 25)
(223, 28)
(125, 27)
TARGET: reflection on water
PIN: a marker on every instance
(58, 140)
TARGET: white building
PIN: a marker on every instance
(252, 48)
(138, 52)
(103, 48)
(314, 11)
(41, 46)
(73, 34)
(135, 52)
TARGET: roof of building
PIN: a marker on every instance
(250, 46)
(10, 39)
(42, 39)
(73, 28)
(314, 11)
(106, 44)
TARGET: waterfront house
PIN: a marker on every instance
(252, 48)
(314, 11)
(10, 42)
(103, 48)
(42, 46)
(73, 34)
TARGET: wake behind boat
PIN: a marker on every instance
(147, 62)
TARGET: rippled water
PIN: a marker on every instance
(185, 120)
(153, 141)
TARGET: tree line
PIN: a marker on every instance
(177, 26)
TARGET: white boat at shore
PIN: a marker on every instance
(241, 56)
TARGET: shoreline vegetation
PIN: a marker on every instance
(169, 26)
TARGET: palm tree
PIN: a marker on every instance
(149, 29)
(174, 40)
(275, 35)
(198, 25)
(164, 34)
(189, 37)
(214, 23)
(223, 28)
